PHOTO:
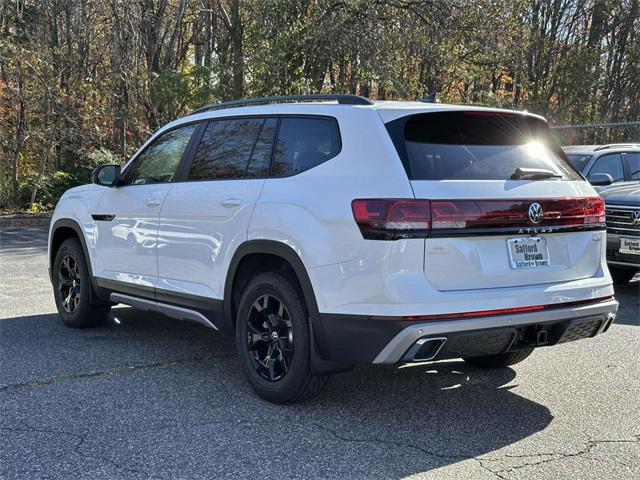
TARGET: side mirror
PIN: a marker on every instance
(106, 175)
(600, 179)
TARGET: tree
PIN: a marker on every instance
(82, 78)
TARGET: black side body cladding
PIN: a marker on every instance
(209, 307)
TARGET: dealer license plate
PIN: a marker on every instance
(528, 252)
(630, 246)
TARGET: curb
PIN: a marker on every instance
(25, 221)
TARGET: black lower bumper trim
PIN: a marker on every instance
(358, 339)
(502, 340)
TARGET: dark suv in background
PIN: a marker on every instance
(622, 203)
(621, 162)
(614, 171)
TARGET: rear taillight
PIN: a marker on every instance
(390, 219)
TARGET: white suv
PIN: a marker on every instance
(328, 230)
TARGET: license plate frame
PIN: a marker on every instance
(534, 254)
(633, 242)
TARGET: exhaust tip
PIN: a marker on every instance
(608, 321)
(425, 349)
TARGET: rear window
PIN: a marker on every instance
(476, 145)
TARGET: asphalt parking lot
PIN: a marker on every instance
(150, 397)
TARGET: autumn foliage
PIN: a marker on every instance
(84, 82)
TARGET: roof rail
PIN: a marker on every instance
(343, 99)
(615, 145)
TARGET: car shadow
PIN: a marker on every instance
(180, 383)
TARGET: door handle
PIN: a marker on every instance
(231, 202)
(153, 202)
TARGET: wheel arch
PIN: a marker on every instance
(270, 248)
(61, 230)
(293, 260)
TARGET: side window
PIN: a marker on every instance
(633, 160)
(159, 161)
(237, 148)
(611, 164)
(304, 143)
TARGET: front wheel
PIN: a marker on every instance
(74, 296)
(500, 360)
(273, 340)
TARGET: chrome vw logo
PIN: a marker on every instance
(635, 217)
(535, 213)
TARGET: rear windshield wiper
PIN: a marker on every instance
(533, 174)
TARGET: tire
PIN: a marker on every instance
(277, 365)
(501, 360)
(74, 296)
(622, 275)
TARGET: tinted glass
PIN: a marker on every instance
(477, 146)
(633, 160)
(579, 160)
(611, 164)
(237, 148)
(159, 161)
(304, 143)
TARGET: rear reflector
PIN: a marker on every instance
(501, 311)
(389, 219)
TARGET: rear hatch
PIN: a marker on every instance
(506, 208)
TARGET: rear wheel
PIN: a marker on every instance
(273, 340)
(622, 275)
(501, 360)
(74, 296)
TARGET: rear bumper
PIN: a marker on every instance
(350, 338)
(614, 257)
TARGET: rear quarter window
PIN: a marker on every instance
(476, 145)
(303, 143)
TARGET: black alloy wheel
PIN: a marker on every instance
(273, 337)
(270, 337)
(76, 301)
(69, 284)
